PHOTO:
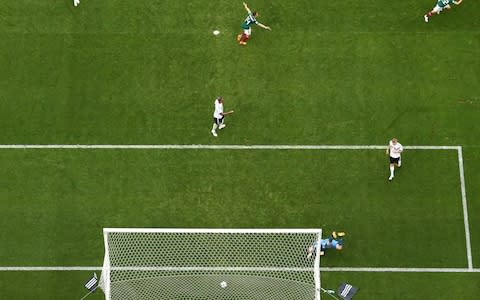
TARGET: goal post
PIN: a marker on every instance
(210, 264)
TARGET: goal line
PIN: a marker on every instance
(322, 269)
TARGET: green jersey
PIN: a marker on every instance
(443, 3)
(249, 21)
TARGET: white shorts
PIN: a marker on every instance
(248, 31)
(437, 9)
(218, 121)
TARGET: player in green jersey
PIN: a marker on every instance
(441, 5)
(247, 30)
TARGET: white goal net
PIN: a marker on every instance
(210, 264)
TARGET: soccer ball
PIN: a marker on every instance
(216, 32)
(223, 284)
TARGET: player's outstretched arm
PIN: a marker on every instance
(457, 2)
(264, 26)
(246, 8)
(227, 113)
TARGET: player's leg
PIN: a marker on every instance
(436, 10)
(76, 2)
(399, 163)
(310, 251)
(392, 168)
(221, 124)
(215, 126)
(245, 36)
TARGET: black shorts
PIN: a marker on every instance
(218, 121)
(394, 160)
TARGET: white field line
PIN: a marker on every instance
(401, 270)
(226, 147)
(279, 147)
(465, 208)
(45, 268)
(322, 269)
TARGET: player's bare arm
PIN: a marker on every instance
(264, 26)
(246, 8)
(457, 2)
(227, 113)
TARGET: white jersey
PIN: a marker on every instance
(395, 150)
(217, 114)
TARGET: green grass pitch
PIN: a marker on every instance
(329, 73)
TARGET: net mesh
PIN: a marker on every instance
(209, 265)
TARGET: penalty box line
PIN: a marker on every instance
(280, 147)
(224, 147)
(322, 269)
(465, 208)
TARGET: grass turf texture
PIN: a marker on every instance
(146, 72)
(72, 194)
(396, 286)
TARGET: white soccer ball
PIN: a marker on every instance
(223, 284)
(216, 32)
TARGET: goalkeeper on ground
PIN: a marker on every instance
(335, 241)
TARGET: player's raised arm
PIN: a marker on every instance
(246, 7)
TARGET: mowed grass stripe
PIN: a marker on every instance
(373, 285)
(62, 199)
(330, 88)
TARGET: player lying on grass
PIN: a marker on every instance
(441, 5)
(335, 241)
(247, 30)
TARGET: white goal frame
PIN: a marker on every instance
(105, 279)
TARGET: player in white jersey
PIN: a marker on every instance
(394, 150)
(218, 116)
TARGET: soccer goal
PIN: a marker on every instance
(210, 264)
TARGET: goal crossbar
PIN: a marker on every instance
(208, 230)
(187, 269)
